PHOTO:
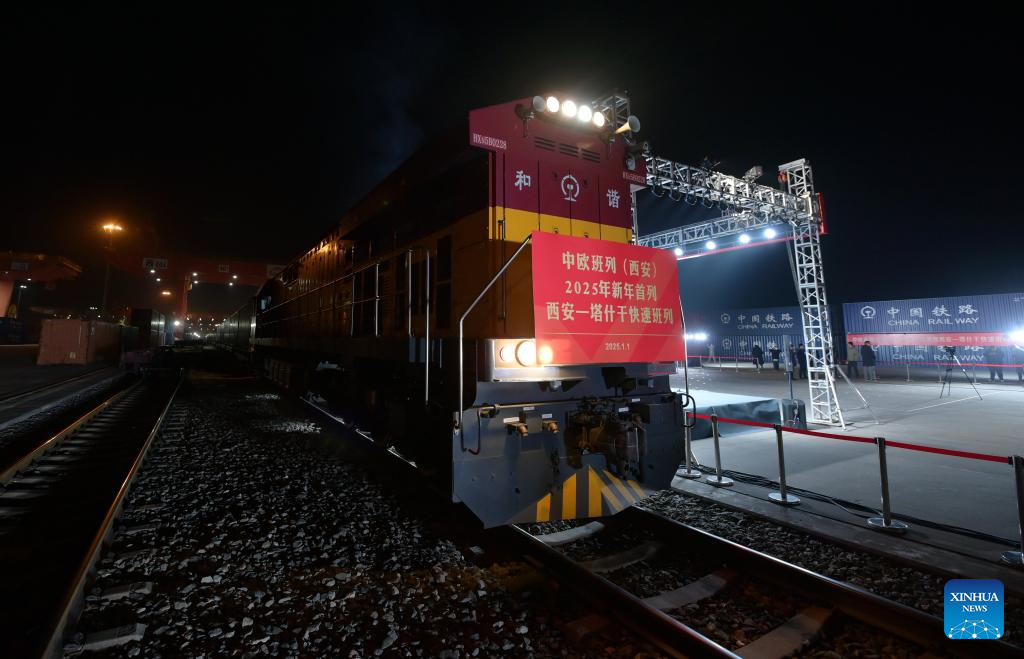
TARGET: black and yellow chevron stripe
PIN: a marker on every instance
(587, 493)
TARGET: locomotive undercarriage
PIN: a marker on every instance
(528, 451)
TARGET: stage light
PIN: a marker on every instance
(552, 104)
(195, 274)
(599, 119)
(569, 109)
(158, 280)
(710, 244)
(744, 238)
(754, 173)
(231, 283)
(585, 114)
(234, 276)
(1017, 336)
(678, 251)
(22, 286)
(698, 336)
(769, 233)
(152, 272)
(177, 323)
(165, 293)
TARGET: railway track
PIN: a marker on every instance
(58, 501)
(695, 594)
(8, 398)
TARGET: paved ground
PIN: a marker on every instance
(967, 493)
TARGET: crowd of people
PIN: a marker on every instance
(863, 359)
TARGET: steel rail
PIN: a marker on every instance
(50, 385)
(670, 635)
(874, 610)
(14, 465)
(73, 597)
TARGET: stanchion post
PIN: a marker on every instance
(908, 372)
(689, 472)
(782, 497)
(1016, 558)
(718, 480)
(885, 522)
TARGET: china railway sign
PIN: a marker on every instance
(598, 302)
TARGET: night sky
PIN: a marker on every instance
(248, 131)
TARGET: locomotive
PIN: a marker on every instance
(484, 315)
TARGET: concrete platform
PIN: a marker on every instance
(948, 490)
(734, 406)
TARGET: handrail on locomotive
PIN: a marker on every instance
(462, 319)
(376, 299)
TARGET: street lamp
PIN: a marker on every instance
(110, 228)
(21, 288)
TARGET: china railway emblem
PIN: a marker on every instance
(726, 318)
(570, 188)
(867, 312)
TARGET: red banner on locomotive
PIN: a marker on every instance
(598, 302)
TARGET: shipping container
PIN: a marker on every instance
(998, 314)
(72, 341)
(151, 325)
(12, 331)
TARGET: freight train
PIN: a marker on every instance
(483, 314)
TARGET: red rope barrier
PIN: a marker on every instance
(862, 440)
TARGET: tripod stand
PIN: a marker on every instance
(947, 380)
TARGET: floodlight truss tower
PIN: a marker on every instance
(747, 205)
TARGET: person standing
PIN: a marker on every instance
(791, 360)
(867, 357)
(776, 354)
(758, 356)
(801, 360)
(1018, 359)
(995, 364)
(852, 360)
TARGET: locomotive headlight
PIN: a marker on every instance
(526, 353)
(507, 353)
(599, 119)
(545, 355)
(552, 104)
(585, 114)
(569, 109)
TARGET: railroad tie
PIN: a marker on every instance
(694, 591)
(623, 559)
(788, 637)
